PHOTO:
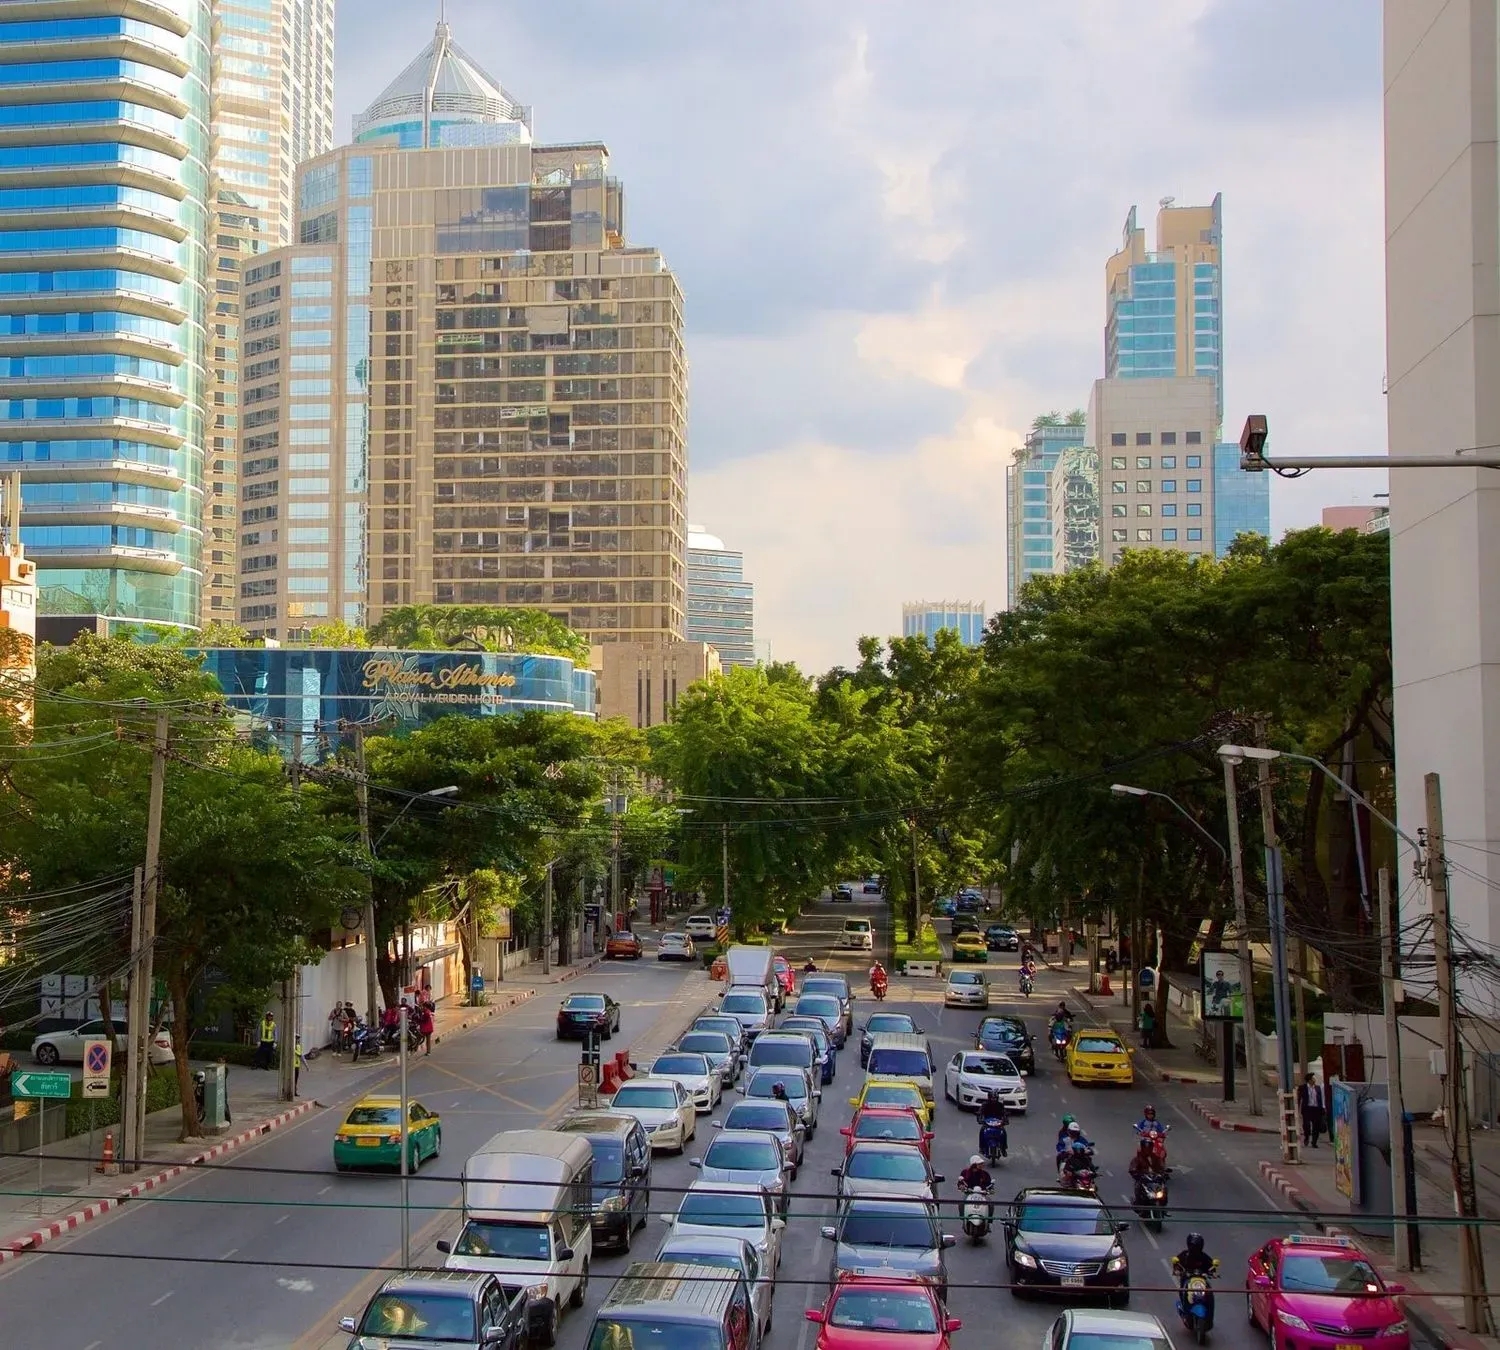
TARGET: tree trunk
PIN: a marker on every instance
(178, 992)
(385, 975)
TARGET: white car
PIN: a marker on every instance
(66, 1047)
(694, 1072)
(971, 1075)
(732, 1209)
(663, 1107)
(967, 989)
(675, 947)
(701, 926)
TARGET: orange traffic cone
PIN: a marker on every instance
(107, 1165)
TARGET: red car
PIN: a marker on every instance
(865, 1313)
(1322, 1293)
(623, 945)
(785, 975)
(890, 1124)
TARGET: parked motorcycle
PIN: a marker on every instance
(1151, 1198)
(1195, 1302)
(366, 1042)
(976, 1214)
(390, 1037)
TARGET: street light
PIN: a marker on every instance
(449, 791)
(1126, 790)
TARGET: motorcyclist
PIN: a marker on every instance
(1143, 1161)
(1069, 1141)
(878, 975)
(1067, 1123)
(1193, 1259)
(1148, 1121)
(1062, 1015)
(811, 968)
(1076, 1161)
(992, 1112)
(976, 1175)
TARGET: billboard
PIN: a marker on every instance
(1343, 1132)
(1221, 982)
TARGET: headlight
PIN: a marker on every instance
(612, 1204)
(1116, 1262)
(537, 1290)
(1395, 1329)
(1290, 1320)
(1026, 1259)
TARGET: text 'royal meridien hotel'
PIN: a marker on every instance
(459, 384)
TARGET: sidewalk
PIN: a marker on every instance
(42, 1198)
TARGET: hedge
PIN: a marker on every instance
(161, 1093)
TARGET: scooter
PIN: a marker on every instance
(1060, 1036)
(390, 1037)
(1084, 1181)
(878, 988)
(1151, 1198)
(365, 1041)
(976, 1214)
(1026, 983)
(1195, 1302)
(993, 1140)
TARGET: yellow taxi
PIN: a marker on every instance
(970, 947)
(1098, 1055)
(371, 1135)
(894, 1092)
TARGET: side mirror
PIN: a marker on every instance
(443, 1245)
(564, 1253)
(1122, 1227)
(927, 1136)
(777, 1225)
(949, 1240)
(813, 1314)
(349, 1324)
(1264, 1282)
(953, 1324)
(845, 1131)
(716, 1124)
(854, 1101)
(938, 1176)
(494, 1336)
(695, 1162)
(829, 1232)
(835, 1171)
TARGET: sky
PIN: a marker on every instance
(890, 223)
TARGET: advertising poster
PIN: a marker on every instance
(1222, 986)
(1343, 1130)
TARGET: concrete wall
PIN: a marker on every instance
(1420, 1087)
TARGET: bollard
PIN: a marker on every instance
(106, 1165)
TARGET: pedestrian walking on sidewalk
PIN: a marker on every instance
(1148, 1025)
(265, 1051)
(425, 1025)
(1314, 1114)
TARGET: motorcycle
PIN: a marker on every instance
(993, 1141)
(878, 987)
(390, 1037)
(1083, 1180)
(976, 1214)
(1026, 983)
(1060, 1036)
(1157, 1136)
(1151, 1198)
(366, 1041)
(1195, 1301)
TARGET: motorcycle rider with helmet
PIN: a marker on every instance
(1192, 1260)
(992, 1113)
(1077, 1161)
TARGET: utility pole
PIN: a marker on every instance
(914, 915)
(614, 854)
(547, 923)
(1477, 1316)
(134, 1066)
(140, 1030)
(1291, 1139)
(297, 758)
(362, 797)
(1301, 1011)
(1242, 923)
(724, 858)
(1395, 1102)
(288, 1060)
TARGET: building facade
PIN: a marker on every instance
(1028, 503)
(272, 107)
(926, 618)
(1241, 501)
(1077, 531)
(720, 602)
(1364, 519)
(104, 186)
(642, 681)
(461, 385)
(17, 608)
(1164, 310)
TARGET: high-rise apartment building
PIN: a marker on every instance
(104, 231)
(720, 602)
(272, 101)
(926, 618)
(1164, 315)
(1028, 502)
(461, 386)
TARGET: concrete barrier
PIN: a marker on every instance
(922, 968)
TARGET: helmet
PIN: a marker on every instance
(1195, 1243)
(976, 1161)
(1074, 1127)
(1079, 1146)
(199, 1076)
(1069, 1120)
(1149, 1112)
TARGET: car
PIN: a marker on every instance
(966, 989)
(969, 946)
(871, 886)
(874, 1167)
(817, 1029)
(776, 1117)
(750, 1007)
(701, 926)
(971, 893)
(894, 1092)
(732, 1209)
(1001, 937)
(621, 1200)
(892, 1124)
(623, 945)
(370, 1135)
(717, 1049)
(843, 892)
(899, 1023)
(1098, 1055)
(1318, 1293)
(964, 923)
(1007, 1036)
(1065, 1242)
(786, 976)
(66, 1046)
(838, 986)
(827, 1006)
(882, 1313)
(730, 1025)
(694, 1072)
(1094, 1328)
(879, 1236)
(971, 1075)
(752, 1156)
(579, 1014)
(968, 904)
(663, 1107)
(857, 935)
(947, 907)
(800, 1092)
(675, 947)
(705, 1249)
(457, 1309)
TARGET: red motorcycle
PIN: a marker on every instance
(1156, 1136)
(1081, 1179)
(878, 985)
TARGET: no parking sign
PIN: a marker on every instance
(96, 1061)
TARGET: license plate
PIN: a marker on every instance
(1347, 1346)
(1076, 1282)
(365, 1142)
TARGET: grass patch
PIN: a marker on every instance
(925, 948)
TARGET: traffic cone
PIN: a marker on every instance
(107, 1166)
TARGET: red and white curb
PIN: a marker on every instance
(1205, 1109)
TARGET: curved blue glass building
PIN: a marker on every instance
(104, 146)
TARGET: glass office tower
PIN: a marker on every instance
(720, 602)
(103, 188)
(924, 619)
(1242, 501)
(1028, 503)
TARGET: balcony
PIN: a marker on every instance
(93, 386)
(71, 344)
(92, 428)
(160, 518)
(117, 216)
(115, 256)
(117, 556)
(125, 301)
(162, 476)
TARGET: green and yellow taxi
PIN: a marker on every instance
(371, 1135)
(970, 947)
(894, 1092)
(1098, 1055)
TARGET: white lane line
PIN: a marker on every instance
(325, 1190)
(156, 1302)
(226, 1255)
(283, 1218)
(94, 1346)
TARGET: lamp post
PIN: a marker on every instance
(1126, 790)
(1247, 969)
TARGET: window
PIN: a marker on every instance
(1117, 438)
(1195, 536)
(1167, 438)
(307, 534)
(1143, 536)
(1195, 461)
(311, 264)
(1119, 536)
(1194, 438)
(1169, 485)
(1143, 461)
(1169, 536)
(1119, 487)
(1118, 462)
(1195, 508)
(1143, 508)
(1143, 485)
(1143, 438)
(1169, 461)
(1195, 485)
(1118, 509)
(1169, 508)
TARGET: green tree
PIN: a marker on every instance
(434, 627)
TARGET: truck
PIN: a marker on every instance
(749, 967)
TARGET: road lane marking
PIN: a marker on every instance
(226, 1255)
(157, 1302)
(283, 1218)
(325, 1190)
(94, 1346)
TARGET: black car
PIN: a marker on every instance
(1007, 1036)
(580, 1013)
(964, 923)
(622, 1173)
(465, 1310)
(1065, 1243)
(999, 937)
(871, 886)
(902, 1023)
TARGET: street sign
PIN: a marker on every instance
(26, 1083)
(588, 1085)
(96, 1060)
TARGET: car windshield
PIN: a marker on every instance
(689, 1257)
(584, 1002)
(903, 1164)
(904, 1126)
(516, 1241)
(653, 1333)
(1100, 1045)
(684, 1064)
(744, 1003)
(990, 1066)
(722, 1209)
(814, 985)
(965, 977)
(883, 1310)
(420, 1317)
(892, 1094)
(747, 1117)
(609, 1161)
(743, 1155)
(890, 1022)
(706, 1043)
(1079, 1220)
(645, 1095)
(1306, 1273)
(811, 1027)
(780, 1052)
(1005, 1032)
(727, 1025)
(764, 1085)
(673, 939)
(1097, 1340)
(820, 1005)
(913, 1063)
(374, 1115)
(889, 1228)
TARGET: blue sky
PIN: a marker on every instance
(890, 223)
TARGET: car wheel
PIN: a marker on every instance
(437, 1144)
(344, 1167)
(580, 1290)
(46, 1053)
(629, 1236)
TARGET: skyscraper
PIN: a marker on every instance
(1241, 501)
(720, 602)
(272, 99)
(925, 618)
(461, 385)
(1028, 501)
(104, 186)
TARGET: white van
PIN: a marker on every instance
(527, 1198)
(858, 935)
(749, 967)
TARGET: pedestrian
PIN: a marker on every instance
(297, 1063)
(265, 1051)
(1310, 1104)
(1148, 1024)
(425, 1025)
